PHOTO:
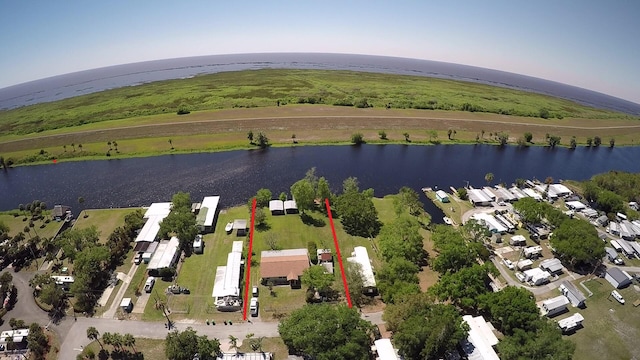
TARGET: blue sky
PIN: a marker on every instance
(591, 44)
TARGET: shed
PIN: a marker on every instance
(290, 207)
(553, 265)
(618, 278)
(571, 323)
(276, 207)
(602, 220)
(240, 226)
(554, 306)
(442, 196)
(575, 296)
(518, 240)
(126, 304)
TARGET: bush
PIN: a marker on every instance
(383, 134)
(313, 251)
(544, 113)
(357, 138)
(183, 109)
(362, 103)
(343, 102)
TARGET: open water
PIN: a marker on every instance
(90, 81)
(237, 175)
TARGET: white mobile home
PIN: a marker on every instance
(532, 193)
(154, 215)
(575, 296)
(490, 222)
(166, 255)
(442, 196)
(518, 193)
(478, 198)
(207, 215)
(385, 350)
(627, 249)
(536, 276)
(524, 264)
(518, 240)
(553, 266)
(616, 245)
(571, 323)
(576, 205)
(361, 256)
(480, 339)
(555, 306)
(532, 252)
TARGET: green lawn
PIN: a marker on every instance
(150, 348)
(105, 220)
(611, 330)
(17, 225)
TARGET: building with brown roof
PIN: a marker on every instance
(284, 267)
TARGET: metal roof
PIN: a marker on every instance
(361, 256)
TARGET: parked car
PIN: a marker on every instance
(520, 276)
(138, 258)
(618, 261)
(149, 284)
(508, 263)
(616, 295)
(254, 292)
(253, 307)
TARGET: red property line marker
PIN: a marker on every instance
(335, 241)
(247, 280)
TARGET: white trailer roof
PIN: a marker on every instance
(490, 221)
(571, 321)
(211, 203)
(164, 254)
(481, 339)
(276, 205)
(361, 256)
(154, 215)
(385, 350)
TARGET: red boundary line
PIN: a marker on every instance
(247, 280)
(335, 241)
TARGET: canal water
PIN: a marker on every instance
(237, 175)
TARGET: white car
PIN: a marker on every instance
(253, 307)
(520, 276)
(148, 285)
(616, 295)
(254, 292)
(508, 263)
(618, 261)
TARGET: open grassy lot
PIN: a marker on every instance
(152, 349)
(611, 330)
(273, 345)
(16, 225)
(105, 220)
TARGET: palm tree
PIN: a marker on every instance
(109, 143)
(234, 343)
(80, 147)
(27, 230)
(107, 338)
(115, 145)
(64, 147)
(171, 143)
(73, 145)
(94, 334)
(118, 341)
(21, 208)
(406, 136)
(130, 341)
(488, 178)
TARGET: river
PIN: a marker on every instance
(237, 175)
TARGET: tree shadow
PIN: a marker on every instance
(263, 227)
(310, 220)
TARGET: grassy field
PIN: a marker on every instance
(225, 106)
(105, 220)
(259, 88)
(152, 349)
(610, 329)
(17, 225)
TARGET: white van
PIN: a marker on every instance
(616, 295)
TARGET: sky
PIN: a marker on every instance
(585, 43)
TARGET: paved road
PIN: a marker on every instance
(77, 335)
(538, 290)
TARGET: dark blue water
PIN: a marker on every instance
(90, 81)
(237, 175)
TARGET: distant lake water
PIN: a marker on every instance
(237, 175)
(90, 81)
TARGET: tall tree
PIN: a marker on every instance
(577, 242)
(317, 278)
(81, 202)
(358, 215)
(510, 308)
(545, 342)
(402, 238)
(324, 192)
(186, 344)
(303, 192)
(37, 342)
(250, 136)
(488, 177)
(94, 334)
(263, 196)
(327, 332)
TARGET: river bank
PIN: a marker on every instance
(301, 125)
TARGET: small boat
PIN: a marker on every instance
(229, 227)
(447, 221)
